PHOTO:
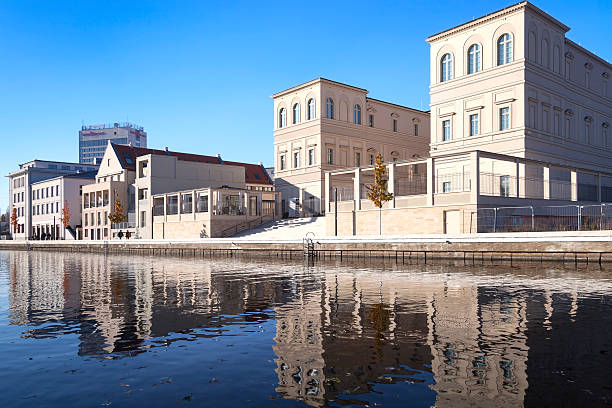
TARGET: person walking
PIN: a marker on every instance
(128, 234)
(120, 234)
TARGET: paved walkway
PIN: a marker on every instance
(291, 228)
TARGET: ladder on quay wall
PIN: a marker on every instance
(308, 246)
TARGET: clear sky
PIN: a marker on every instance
(198, 75)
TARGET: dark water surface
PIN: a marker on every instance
(89, 330)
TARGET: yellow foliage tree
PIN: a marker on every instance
(377, 192)
(117, 216)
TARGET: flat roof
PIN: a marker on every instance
(506, 10)
(319, 79)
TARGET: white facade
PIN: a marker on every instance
(20, 182)
(49, 198)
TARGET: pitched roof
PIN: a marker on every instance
(254, 174)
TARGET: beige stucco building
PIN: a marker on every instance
(133, 175)
(324, 125)
(519, 118)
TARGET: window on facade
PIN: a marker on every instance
(311, 159)
(446, 130)
(296, 113)
(371, 120)
(371, 160)
(329, 108)
(416, 129)
(395, 125)
(504, 49)
(474, 59)
(357, 115)
(357, 159)
(504, 118)
(311, 109)
(474, 125)
(201, 202)
(57, 190)
(446, 67)
(282, 118)
(330, 156)
(446, 187)
(296, 160)
(504, 186)
(282, 162)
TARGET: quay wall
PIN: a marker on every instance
(589, 247)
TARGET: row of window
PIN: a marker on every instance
(48, 208)
(330, 159)
(19, 197)
(504, 56)
(102, 142)
(45, 192)
(20, 211)
(329, 114)
(19, 182)
(89, 219)
(474, 122)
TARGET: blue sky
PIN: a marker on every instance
(198, 75)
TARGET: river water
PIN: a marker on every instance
(89, 330)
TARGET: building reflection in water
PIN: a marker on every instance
(463, 339)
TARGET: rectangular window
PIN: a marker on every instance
(282, 162)
(395, 125)
(474, 125)
(504, 186)
(416, 129)
(47, 192)
(504, 118)
(446, 187)
(371, 120)
(143, 218)
(57, 190)
(330, 156)
(311, 160)
(105, 217)
(371, 160)
(357, 159)
(86, 223)
(446, 130)
(296, 160)
(47, 208)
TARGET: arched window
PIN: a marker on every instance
(446, 65)
(504, 49)
(282, 118)
(474, 59)
(296, 113)
(357, 114)
(329, 108)
(311, 109)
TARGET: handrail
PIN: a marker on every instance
(248, 224)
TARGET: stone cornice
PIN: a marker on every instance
(497, 14)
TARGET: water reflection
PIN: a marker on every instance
(339, 334)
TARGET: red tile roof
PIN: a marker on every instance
(254, 173)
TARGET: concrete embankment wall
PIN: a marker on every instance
(589, 247)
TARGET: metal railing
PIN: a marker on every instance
(246, 225)
(412, 185)
(453, 183)
(545, 218)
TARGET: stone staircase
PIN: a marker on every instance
(290, 228)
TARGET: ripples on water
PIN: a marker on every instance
(95, 330)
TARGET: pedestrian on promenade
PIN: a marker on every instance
(120, 234)
(128, 234)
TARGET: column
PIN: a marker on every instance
(574, 184)
(474, 176)
(357, 189)
(165, 207)
(546, 188)
(210, 201)
(431, 181)
(599, 187)
(193, 204)
(517, 178)
(391, 183)
(327, 191)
